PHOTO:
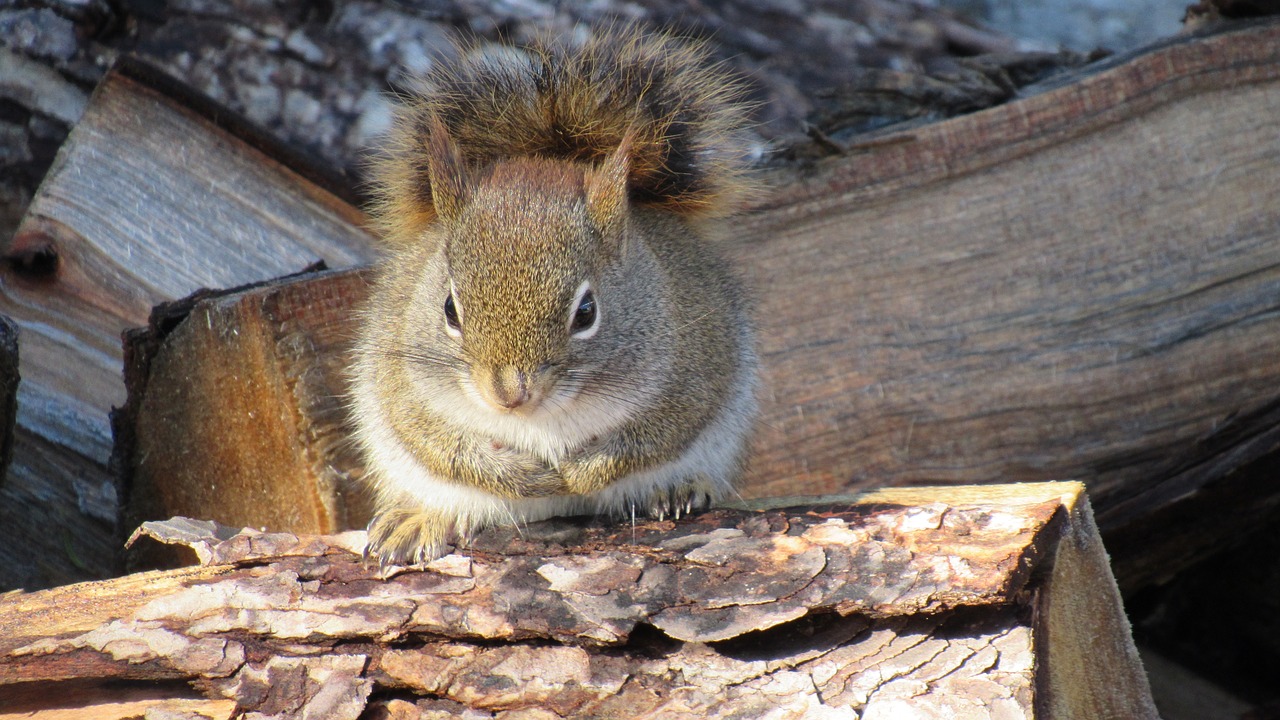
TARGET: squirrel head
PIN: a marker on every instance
(533, 250)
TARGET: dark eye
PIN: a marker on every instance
(584, 317)
(451, 314)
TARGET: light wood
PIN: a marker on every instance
(1078, 284)
(147, 201)
(946, 601)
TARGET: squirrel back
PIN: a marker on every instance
(681, 117)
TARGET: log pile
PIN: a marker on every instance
(1076, 284)
(920, 324)
(944, 602)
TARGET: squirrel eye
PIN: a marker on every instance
(583, 322)
(451, 316)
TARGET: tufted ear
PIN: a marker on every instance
(450, 184)
(606, 187)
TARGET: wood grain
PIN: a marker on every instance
(1080, 284)
(146, 202)
(237, 414)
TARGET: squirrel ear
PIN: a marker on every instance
(450, 186)
(607, 190)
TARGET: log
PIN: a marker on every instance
(922, 324)
(978, 602)
(1078, 284)
(148, 201)
(259, 375)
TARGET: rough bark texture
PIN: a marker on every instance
(925, 599)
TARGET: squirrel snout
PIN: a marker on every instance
(506, 388)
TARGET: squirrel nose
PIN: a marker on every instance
(511, 387)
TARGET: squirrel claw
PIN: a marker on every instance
(683, 500)
(407, 537)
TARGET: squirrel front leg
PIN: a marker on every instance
(405, 531)
(600, 466)
(477, 462)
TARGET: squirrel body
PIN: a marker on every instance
(552, 332)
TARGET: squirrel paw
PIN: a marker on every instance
(408, 536)
(692, 496)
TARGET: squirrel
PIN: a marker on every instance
(552, 332)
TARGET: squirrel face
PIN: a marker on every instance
(529, 289)
(522, 295)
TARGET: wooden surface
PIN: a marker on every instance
(1080, 284)
(146, 202)
(920, 322)
(316, 80)
(238, 413)
(920, 598)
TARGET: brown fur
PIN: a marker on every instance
(514, 182)
(678, 115)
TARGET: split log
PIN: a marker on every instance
(148, 201)
(259, 375)
(990, 601)
(1080, 284)
(921, 322)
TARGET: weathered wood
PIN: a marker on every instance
(147, 202)
(920, 322)
(930, 598)
(312, 76)
(1078, 284)
(1038, 287)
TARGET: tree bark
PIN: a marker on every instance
(991, 600)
